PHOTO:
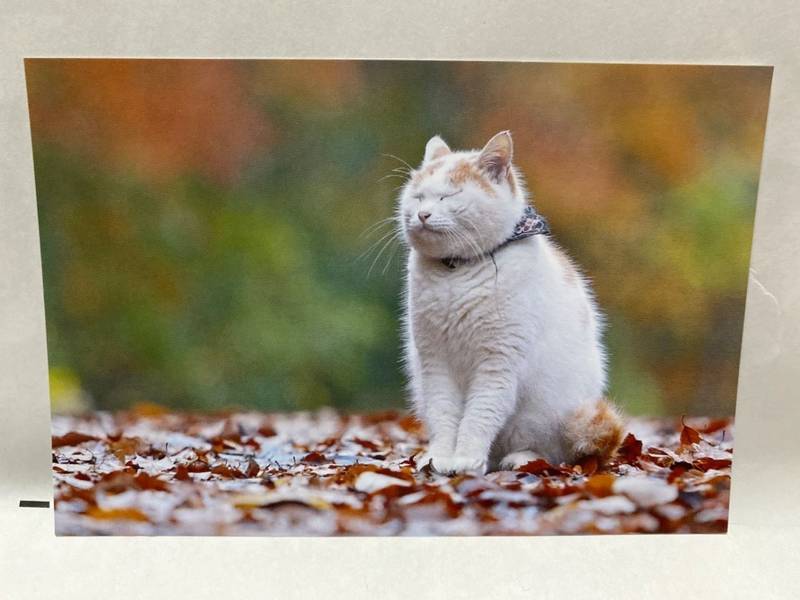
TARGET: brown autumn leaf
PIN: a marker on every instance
(392, 491)
(222, 444)
(227, 472)
(326, 443)
(677, 470)
(252, 469)
(705, 463)
(404, 473)
(348, 475)
(198, 466)
(540, 466)
(714, 425)
(630, 450)
(124, 447)
(410, 424)
(689, 436)
(367, 444)
(600, 485)
(266, 430)
(658, 457)
(143, 481)
(182, 473)
(73, 493)
(117, 482)
(117, 514)
(314, 458)
(73, 438)
(588, 464)
(381, 416)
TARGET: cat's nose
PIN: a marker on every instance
(423, 215)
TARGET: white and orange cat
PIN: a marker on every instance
(503, 338)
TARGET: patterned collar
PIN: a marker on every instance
(531, 223)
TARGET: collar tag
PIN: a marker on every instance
(531, 223)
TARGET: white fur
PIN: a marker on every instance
(500, 353)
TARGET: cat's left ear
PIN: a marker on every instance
(496, 155)
(435, 148)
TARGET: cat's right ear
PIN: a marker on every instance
(496, 155)
(435, 148)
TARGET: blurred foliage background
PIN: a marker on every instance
(201, 221)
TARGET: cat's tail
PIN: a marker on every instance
(595, 429)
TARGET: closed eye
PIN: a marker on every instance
(449, 195)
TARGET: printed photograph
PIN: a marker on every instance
(393, 298)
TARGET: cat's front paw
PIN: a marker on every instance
(423, 460)
(515, 460)
(429, 460)
(451, 465)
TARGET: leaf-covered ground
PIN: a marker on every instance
(152, 473)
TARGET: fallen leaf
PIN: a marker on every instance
(689, 436)
(123, 447)
(540, 466)
(410, 424)
(706, 463)
(182, 473)
(227, 472)
(314, 458)
(143, 481)
(588, 464)
(116, 514)
(367, 444)
(198, 466)
(600, 484)
(73, 438)
(714, 425)
(267, 431)
(631, 449)
(252, 469)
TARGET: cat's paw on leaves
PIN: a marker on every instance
(515, 460)
(451, 465)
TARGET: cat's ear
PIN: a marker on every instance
(495, 158)
(435, 148)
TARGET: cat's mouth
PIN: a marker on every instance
(423, 227)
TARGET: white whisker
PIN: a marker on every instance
(377, 225)
(400, 159)
(376, 244)
(386, 245)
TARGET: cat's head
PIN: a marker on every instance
(462, 203)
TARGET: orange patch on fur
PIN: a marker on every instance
(464, 171)
(427, 171)
(595, 430)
